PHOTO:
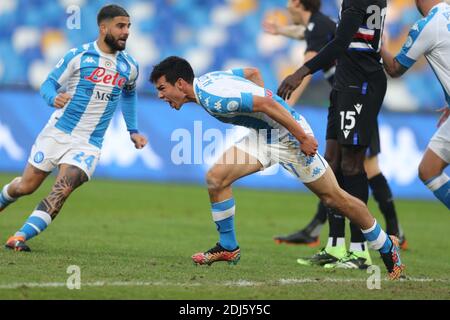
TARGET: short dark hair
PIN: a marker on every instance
(110, 12)
(173, 68)
(311, 5)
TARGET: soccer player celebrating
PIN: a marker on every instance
(317, 30)
(358, 93)
(96, 75)
(430, 36)
(278, 134)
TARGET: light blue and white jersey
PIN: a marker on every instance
(96, 81)
(228, 97)
(430, 37)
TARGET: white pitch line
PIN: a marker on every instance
(238, 283)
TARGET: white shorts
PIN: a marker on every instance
(287, 153)
(54, 147)
(440, 142)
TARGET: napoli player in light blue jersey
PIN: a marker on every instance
(278, 134)
(430, 37)
(85, 88)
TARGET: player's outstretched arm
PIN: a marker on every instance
(291, 31)
(350, 21)
(278, 113)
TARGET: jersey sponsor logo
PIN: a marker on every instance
(269, 93)
(105, 96)
(311, 26)
(358, 107)
(99, 76)
(232, 106)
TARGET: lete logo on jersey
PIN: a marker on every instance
(99, 76)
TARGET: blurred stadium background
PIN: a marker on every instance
(213, 35)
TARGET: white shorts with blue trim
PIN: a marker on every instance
(287, 153)
(54, 147)
(440, 142)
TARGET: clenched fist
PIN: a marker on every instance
(61, 100)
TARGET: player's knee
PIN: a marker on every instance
(24, 187)
(427, 172)
(214, 180)
(335, 199)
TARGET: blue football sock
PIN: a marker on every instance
(440, 186)
(377, 238)
(36, 223)
(5, 198)
(223, 216)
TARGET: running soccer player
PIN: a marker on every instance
(430, 37)
(317, 29)
(278, 134)
(358, 93)
(97, 75)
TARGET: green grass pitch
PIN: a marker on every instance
(134, 240)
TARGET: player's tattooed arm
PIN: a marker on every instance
(68, 180)
(278, 113)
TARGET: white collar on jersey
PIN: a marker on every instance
(102, 53)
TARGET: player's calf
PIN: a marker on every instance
(69, 178)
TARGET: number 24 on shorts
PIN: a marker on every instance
(87, 159)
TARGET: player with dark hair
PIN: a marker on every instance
(278, 134)
(96, 75)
